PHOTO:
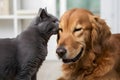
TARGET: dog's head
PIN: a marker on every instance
(46, 23)
(80, 31)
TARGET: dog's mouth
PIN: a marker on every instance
(74, 59)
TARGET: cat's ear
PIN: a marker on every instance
(42, 13)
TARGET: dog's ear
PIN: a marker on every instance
(99, 34)
(42, 13)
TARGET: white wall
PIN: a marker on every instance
(63, 6)
(110, 11)
(35, 5)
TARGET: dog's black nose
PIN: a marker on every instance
(61, 51)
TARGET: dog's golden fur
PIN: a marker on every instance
(100, 59)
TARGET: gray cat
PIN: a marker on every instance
(21, 57)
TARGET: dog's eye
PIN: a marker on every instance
(77, 29)
(60, 29)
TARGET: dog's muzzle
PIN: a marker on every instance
(61, 51)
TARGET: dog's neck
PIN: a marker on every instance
(82, 67)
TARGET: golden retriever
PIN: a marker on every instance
(87, 48)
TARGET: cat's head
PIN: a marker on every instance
(46, 23)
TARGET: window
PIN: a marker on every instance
(92, 5)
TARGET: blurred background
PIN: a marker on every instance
(15, 16)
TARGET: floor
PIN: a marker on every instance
(50, 70)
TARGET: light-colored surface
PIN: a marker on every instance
(50, 70)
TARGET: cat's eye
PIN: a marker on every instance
(55, 21)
